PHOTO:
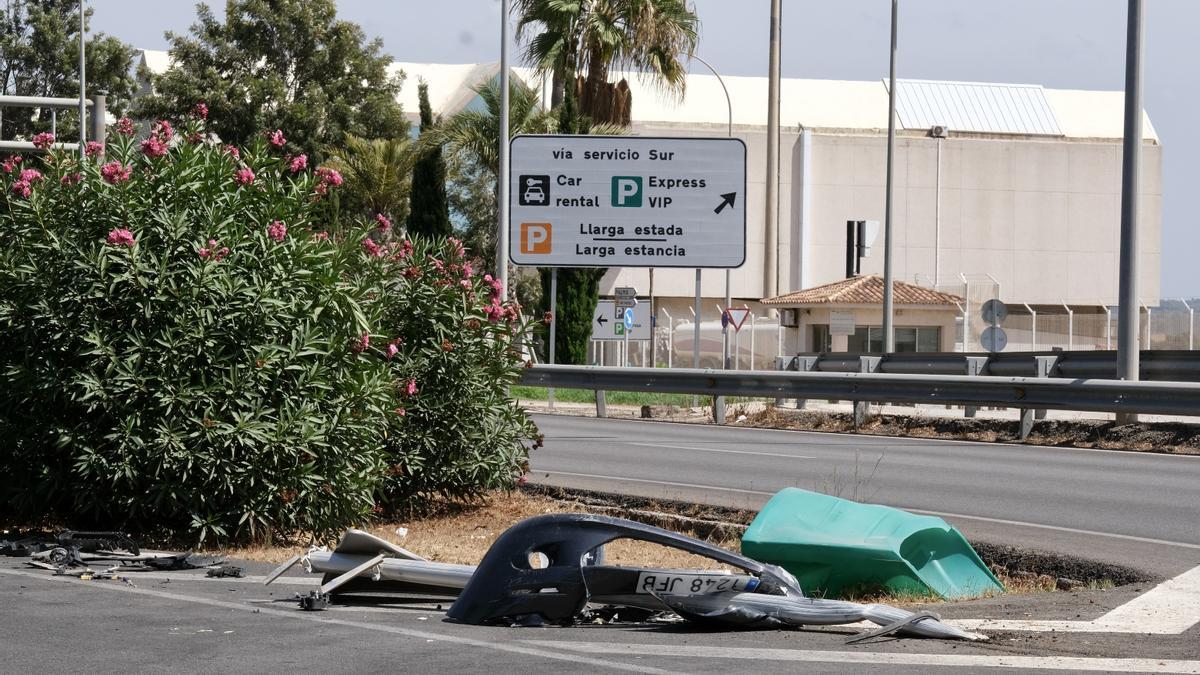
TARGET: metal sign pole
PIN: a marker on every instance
(1128, 355)
(82, 84)
(553, 325)
(696, 335)
(889, 333)
(503, 186)
(653, 325)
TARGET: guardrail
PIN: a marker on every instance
(1156, 365)
(97, 104)
(1028, 394)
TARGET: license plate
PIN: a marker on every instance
(667, 583)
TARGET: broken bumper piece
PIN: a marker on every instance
(507, 588)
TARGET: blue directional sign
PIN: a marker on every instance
(629, 318)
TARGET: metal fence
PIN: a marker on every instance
(97, 105)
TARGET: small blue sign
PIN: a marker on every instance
(629, 318)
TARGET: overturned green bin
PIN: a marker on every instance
(834, 546)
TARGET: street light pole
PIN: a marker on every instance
(82, 84)
(771, 228)
(503, 177)
(889, 332)
(1128, 356)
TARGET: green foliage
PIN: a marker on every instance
(578, 291)
(377, 174)
(429, 215)
(570, 37)
(286, 64)
(185, 350)
(39, 56)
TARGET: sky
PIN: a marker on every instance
(1062, 44)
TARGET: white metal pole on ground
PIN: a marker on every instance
(653, 325)
(1033, 327)
(553, 325)
(82, 83)
(1070, 326)
(670, 337)
(1107, 327)
(503, 187)
(737, 350)
(889, 333)
(779, 337)
(753, 330)
(1128, 355)
(1191, 323)
(937, 216)
(1149, 320)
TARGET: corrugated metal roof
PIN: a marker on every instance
(975, 106)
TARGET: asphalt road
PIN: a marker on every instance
(1133, 508)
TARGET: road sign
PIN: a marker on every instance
(627, 201)
(994, 312)
(993, 339)
(608, 323)
(625, 292)
(629, 320)
(737, 316)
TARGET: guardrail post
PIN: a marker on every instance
(804, 364)
(975, 366)
(1043, 367)
(719, 409)
(866, 364)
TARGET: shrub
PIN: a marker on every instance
(184, 345)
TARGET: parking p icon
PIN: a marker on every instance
(535, 238)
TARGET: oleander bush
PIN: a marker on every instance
(191, 339)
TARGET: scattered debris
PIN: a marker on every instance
(222, 571)
(314, 601)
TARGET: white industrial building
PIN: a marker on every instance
(1001, 190)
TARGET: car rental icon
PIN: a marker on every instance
(536, 190)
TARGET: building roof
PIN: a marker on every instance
(812, 104)
(976, 106)
(864, 290)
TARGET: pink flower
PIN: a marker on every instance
(22, 188)
(71, 179)
(276, 138)
(200, 110)
(243, 176)
(392, 350)
(384, 223)
(115, 172)
(466, 284)
(298, 163)
(320, 236)
(456, 246)
(43, 140)
(374, 250)
(124, 126)
(233, 151)
(406, 249)
(329, 176)
(163, 131)
(410, 387)
(467, 270)
(11, 163)
(364, 341)
(120, 237)
(94, 149)
(224, 251)
(30, 175)
(152, 147)
(203, 253)
(400, 411)
(277, 230)
(521, 480)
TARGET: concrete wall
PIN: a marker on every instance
(1041, 215)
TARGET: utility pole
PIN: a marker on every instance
(1128, 356)
(889, 331)
(82, 84)
(771, 229)
(503, 181)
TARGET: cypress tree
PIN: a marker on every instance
(429, 211)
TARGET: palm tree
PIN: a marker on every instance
(378, 175)
(651, 36)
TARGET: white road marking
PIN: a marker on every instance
(720, 450)
(191, 576)
(943, 514)
(1170, 608)
(878, 658)
(316, 617)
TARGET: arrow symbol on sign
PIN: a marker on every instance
(728, 199)
(601, 320)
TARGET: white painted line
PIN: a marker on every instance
(720, 450)
(191, 576)
(317, 617)
(878, 658)
(1170, 608)
(942, 514)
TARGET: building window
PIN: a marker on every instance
(869, 339)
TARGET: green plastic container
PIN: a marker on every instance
(834, 546)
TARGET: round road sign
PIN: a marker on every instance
(993, 339)
(994, 312)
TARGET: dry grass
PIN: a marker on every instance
(463, 533)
